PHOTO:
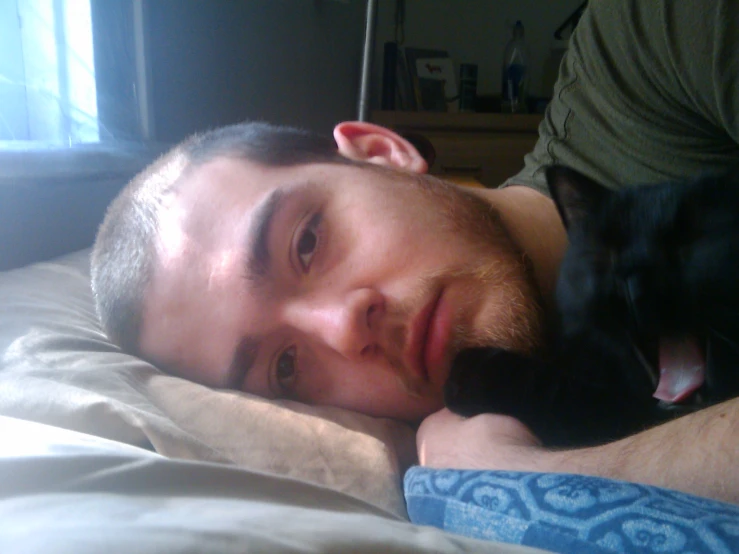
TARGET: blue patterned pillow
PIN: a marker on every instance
(569, 513)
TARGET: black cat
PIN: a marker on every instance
(650, 280)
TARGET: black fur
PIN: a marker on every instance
(643, 263)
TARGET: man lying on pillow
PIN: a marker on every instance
(284, 264)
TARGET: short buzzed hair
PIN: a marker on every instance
(124, 254)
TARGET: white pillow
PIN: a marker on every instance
(57, 367)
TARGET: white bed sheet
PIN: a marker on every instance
(76, 493)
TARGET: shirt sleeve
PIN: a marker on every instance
(647, 92)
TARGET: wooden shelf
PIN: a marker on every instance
(485, 122)
(486, 147)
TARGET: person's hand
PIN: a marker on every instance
(487, 441)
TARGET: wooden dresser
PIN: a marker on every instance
(487, 147)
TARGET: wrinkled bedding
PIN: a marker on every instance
(78, 493)
(58, 368)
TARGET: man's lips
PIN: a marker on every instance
(428, 338)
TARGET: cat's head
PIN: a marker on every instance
(646, 265)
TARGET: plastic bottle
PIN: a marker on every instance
(515, 73)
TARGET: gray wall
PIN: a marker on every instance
(221, 61)
(298, 61)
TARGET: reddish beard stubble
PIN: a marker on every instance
(514, 306)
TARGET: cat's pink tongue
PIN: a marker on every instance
(682, 369)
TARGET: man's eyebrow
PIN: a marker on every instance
(243, 360)
(257, 254)
(256, 266)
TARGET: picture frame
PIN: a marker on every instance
(438, 83)
(412, 55)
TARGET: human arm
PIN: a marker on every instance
(697, 453)
(646, 93)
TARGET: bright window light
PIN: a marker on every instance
(47, 72)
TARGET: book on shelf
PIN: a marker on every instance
(389, 75)
(397, 89)
(418, 79)
(406, 96)
(438, 84)
(412, 55)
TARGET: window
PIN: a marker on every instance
(72, 73)
(48, 89)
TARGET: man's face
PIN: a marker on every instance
(331, 284)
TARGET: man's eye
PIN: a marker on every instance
(308, 243)
(285, 372)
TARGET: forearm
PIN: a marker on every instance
(698, 453)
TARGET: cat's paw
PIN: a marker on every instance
(491, 380)
(465, 388)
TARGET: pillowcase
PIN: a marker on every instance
(570, 513)
(57, 367)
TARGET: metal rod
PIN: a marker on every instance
(369, 46)
(142, 84)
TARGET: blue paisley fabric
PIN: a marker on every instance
(569, 513)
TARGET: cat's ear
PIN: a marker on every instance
(574, 194)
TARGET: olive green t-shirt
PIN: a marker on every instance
(647, 92)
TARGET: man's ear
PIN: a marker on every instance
(575, 195)
(366, 142)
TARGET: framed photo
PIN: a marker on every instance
(438, 83)
(412, 55)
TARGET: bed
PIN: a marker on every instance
(101, 451)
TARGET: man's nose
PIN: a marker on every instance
(348, 323)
